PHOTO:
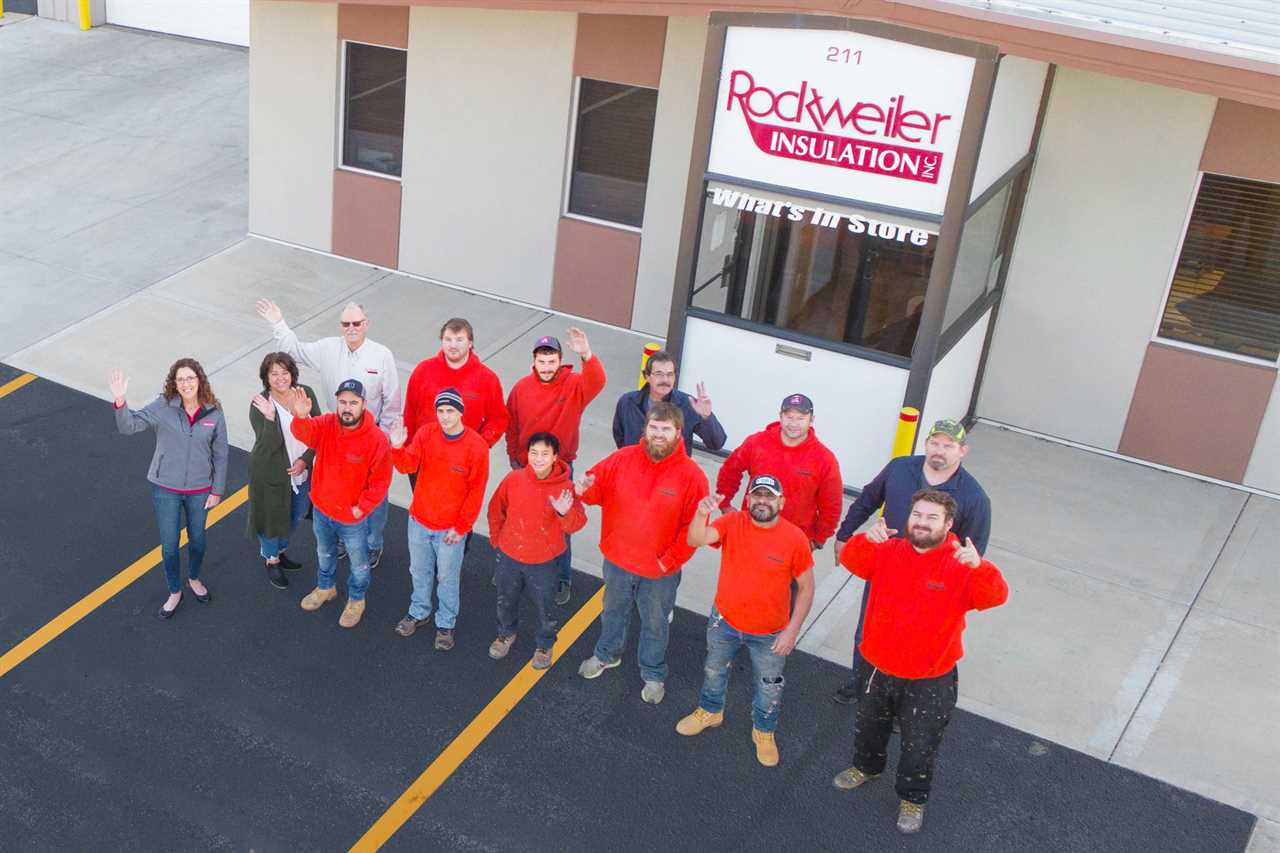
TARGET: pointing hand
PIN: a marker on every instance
(968, 553)
(709, 504)
(880, 532)
(702, 402)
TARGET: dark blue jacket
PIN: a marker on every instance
(633, 408)
(902, 478)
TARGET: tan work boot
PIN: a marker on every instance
(315, 599)
(699, 721)
(351, 613)
(766, 747)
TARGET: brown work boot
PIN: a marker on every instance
(315, 599)
(351, 613)
(699, 721)
(910, 817)
(847, 780)
(766, 747)
(444, 639)
(406, 626)
(541, 659)
(498, 648)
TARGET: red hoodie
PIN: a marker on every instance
(647, 508)
(479, 386)
(452, 474)
(555, 407)
(522, 522)
(352, 466)
(809, 473)
(916, 607)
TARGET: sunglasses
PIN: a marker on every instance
(349, 324)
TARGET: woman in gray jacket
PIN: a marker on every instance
(188, 470)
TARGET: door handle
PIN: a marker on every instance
(793, 352)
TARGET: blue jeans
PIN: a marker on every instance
(653, 599)
(170, 506)
(431, 559)
(299, 502)
(377, 521)
(723, 642)
(539, 579)
(328, 532)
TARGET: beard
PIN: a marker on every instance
(922, 538)
(658, 452)
(349, 419)
(763, 513)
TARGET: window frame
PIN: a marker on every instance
(572, 149)
(1156, 338)
(342, 110)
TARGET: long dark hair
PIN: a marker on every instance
(204, 395)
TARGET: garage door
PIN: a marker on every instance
(214, 20)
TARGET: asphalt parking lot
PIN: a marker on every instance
(248, 724)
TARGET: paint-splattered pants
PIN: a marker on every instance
(723, 642)
(923, 707)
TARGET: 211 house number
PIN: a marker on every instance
(846, 56)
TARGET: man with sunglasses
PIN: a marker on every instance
(350, 355)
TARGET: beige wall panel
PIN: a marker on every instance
(668, 172)
(1113, 181)
(293, 102)
(486, 124)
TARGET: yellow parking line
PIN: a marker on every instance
(14, 384)
(474, 734)
(104, 593)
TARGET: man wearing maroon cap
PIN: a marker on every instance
(809, 472)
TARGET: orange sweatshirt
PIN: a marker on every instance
(480, 389)
(452, 474)
(352, 466)
(523, 524)
(555, 407)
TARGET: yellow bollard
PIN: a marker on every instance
(86, 20)
(649, 349)
(904, 442)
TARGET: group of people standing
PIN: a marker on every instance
(922, 558)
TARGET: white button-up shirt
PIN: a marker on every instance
(372, 364)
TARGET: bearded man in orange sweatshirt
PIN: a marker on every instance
(649, 493)
(454, 463)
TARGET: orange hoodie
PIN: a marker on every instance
(522, 522)
(452, 473)
(352, 466)
(479, 386)
(647, 508)
(555, 407)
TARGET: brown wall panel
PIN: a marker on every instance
(366, 218)
(595, 271)
(385, 25)
(620, 48)
(1244, 141)
(1197, 412)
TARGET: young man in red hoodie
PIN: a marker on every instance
(530, 517)
(649, 493)
(551, 399)
(924, 585)
(349, 480)
(454, 462)
(809, 471)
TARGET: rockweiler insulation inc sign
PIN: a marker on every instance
(841, 114)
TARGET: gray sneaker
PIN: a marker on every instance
(375, 557)
(653, 692)
(444, 639)
(910, 816)
(564, 592)
(847, 780)
(593, 666)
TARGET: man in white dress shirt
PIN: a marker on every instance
(348, 356)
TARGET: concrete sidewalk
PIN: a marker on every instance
(1139, 597)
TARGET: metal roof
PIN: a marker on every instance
(1245, 28)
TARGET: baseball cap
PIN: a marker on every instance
(352, 385)
(450, 397)
(547, 342)
(799, 402)
(951, 427)
(766, 482)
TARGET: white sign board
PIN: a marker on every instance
(840, 114)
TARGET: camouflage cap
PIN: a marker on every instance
(951, 427)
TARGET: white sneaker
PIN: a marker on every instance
(653, 692)
(593, 666)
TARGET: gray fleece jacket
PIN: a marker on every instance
(189, 457)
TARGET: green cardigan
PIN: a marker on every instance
(269, 485)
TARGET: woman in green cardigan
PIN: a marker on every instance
(279, 466)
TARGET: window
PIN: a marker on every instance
(1225, 293)
(373, 108)
(980, 256)
(838, 275)
(611, 144)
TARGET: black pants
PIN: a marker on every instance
(537, 579)
(923, 707)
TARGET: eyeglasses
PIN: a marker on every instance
(662, 374)
(349, 324)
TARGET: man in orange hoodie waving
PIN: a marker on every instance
(649, 493)
(530, 516)
(551, 399)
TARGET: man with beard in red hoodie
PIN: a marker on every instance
(349, 480)
(551, 399)
(530, 516)
(649, 493)
(809, 472)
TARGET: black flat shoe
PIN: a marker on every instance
(276, 577)
(168, 614)
(287, 564)
(203, 599)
